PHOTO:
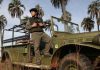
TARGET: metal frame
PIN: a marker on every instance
(17, 28)
(52, 17)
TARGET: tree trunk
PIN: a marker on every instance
(89, 30)
(0, 40)
(98, 27)
(98, 22)
(20, 20)
(64, 13)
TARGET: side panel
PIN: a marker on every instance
(18, 53)
(25, 54)
(63, 38)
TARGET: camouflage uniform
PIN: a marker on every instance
(37, 36)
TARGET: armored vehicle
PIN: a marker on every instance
(71, 50)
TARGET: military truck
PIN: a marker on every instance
(72, 50)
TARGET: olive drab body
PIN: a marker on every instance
(78, 51)
(34, 20)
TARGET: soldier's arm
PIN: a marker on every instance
(41, 24)
(28, 25)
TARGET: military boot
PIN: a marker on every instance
(37, 61)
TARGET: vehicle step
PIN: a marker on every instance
(31, 65)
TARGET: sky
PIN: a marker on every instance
(77, 8)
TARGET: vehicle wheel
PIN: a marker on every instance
(6, 62)
(97, 63)
(16, 67)
(75, 61)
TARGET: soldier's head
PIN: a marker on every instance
(34, 12)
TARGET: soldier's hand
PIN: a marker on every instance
(40, 24)
(34, 25)
(47, 24)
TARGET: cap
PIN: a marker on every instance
(33, 9)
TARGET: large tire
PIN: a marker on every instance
(97, 63)
(75, 61)
(6, 62)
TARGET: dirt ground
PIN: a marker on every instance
(6, 65)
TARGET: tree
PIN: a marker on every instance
(48, 25)
(16, 9)
(40, 10)
(68, 18)
(87, 24)
(61, 4)
(3, 22)
(1, 28)
(24, 21)
(94, 11)
(1, 1)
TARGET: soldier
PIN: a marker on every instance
(35, 27)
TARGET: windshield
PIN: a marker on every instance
(64, 26)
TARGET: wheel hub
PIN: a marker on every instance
(71, 67)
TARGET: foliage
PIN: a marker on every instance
(24, 21)
(48, 25)
(94, 11)
(58, 3)
(1, 1)
(3, 21)
(68, 16)
(40, 10)
(68, 28)
(15, 8)
(87, 24)
(61, 4)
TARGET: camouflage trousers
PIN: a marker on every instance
(37, 37)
